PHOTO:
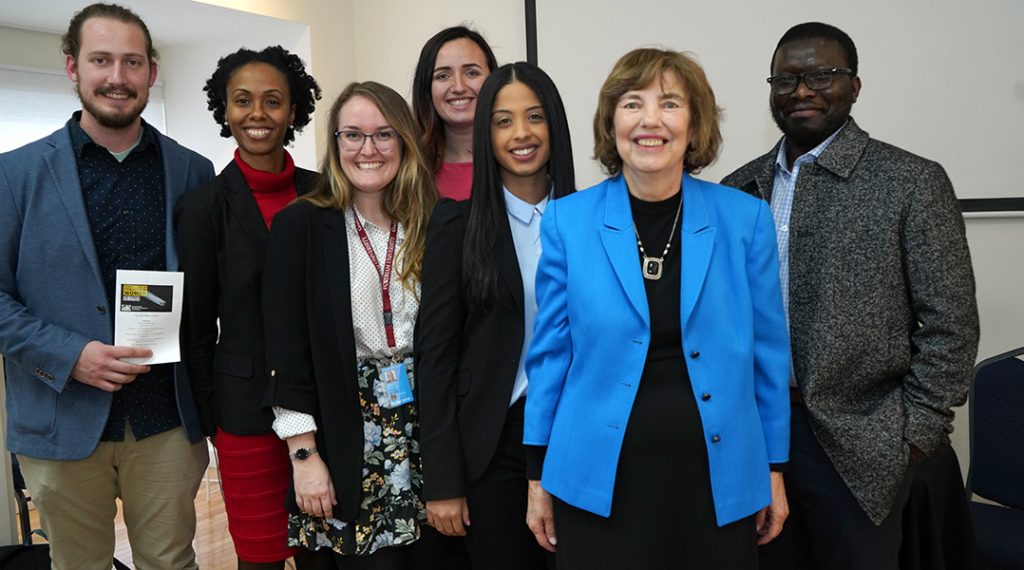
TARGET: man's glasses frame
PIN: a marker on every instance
(818, 79)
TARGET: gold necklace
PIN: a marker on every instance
(652, 266)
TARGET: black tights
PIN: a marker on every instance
(395, 558)
(304, 560)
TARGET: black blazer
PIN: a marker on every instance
(467, 356)
(222, 240)
(311, 350)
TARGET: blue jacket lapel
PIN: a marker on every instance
(619, 240)
(62, 167)
(176, 180)
(698, 240)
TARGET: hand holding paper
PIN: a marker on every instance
(148, 315)
(100, 365)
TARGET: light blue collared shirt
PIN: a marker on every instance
(524, 220)
(783, 189)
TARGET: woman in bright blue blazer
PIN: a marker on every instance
(659, 366)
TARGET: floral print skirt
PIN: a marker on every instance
(391, 507)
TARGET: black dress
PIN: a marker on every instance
(662, 511)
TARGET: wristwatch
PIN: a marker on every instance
(302, 453)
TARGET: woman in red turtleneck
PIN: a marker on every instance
(261, 99)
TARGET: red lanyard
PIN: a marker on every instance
(385, 276)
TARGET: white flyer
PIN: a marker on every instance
(149, 313)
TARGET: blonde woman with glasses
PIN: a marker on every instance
(341, 296)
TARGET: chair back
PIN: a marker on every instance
(997, 430)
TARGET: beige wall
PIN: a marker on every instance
(27, 48)
(332, 59)
(383, 47)
(184, 69)
(391, 34)
(380, 40)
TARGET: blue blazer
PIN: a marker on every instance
(593, 330)
(52, 300)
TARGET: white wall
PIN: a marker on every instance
(941, 77)
(995, 243)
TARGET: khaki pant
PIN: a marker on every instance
(156, 479)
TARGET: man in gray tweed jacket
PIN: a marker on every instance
(879, 290)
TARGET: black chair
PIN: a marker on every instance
(997, 459)
(22, 497)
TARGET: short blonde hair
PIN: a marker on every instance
(640, 68)
(409, 199)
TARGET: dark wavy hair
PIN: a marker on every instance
(427, 119)
(815, 31)
(303, 90)
(71, 43)
(481, 248)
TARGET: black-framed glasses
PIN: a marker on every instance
(786, 83)
(384, 140)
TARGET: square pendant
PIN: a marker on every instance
(652, 267)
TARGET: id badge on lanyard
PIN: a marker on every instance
(394, 387)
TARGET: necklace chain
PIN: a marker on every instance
(652, 266)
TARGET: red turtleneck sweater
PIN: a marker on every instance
(272, 190)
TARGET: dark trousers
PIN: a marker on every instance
(826, 527)
(498, 538)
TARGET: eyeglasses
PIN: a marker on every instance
(817, 80)
(384, 140)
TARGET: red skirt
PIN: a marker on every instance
(255, 473)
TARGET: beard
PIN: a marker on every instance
(113, 119)
(808, 134)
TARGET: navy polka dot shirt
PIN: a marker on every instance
(126, 205)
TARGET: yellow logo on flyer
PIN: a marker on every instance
(134, 290)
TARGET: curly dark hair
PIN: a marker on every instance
(303, 89)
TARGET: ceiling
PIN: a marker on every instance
(170, 21)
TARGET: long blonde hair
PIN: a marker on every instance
(408, 199)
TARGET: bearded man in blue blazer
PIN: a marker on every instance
(92, 198)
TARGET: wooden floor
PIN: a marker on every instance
(213, 543)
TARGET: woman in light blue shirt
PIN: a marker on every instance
(476, 319)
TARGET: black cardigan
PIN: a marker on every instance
(222, 240)
(311, 351)
(467, 356)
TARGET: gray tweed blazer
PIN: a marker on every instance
(883, 318)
